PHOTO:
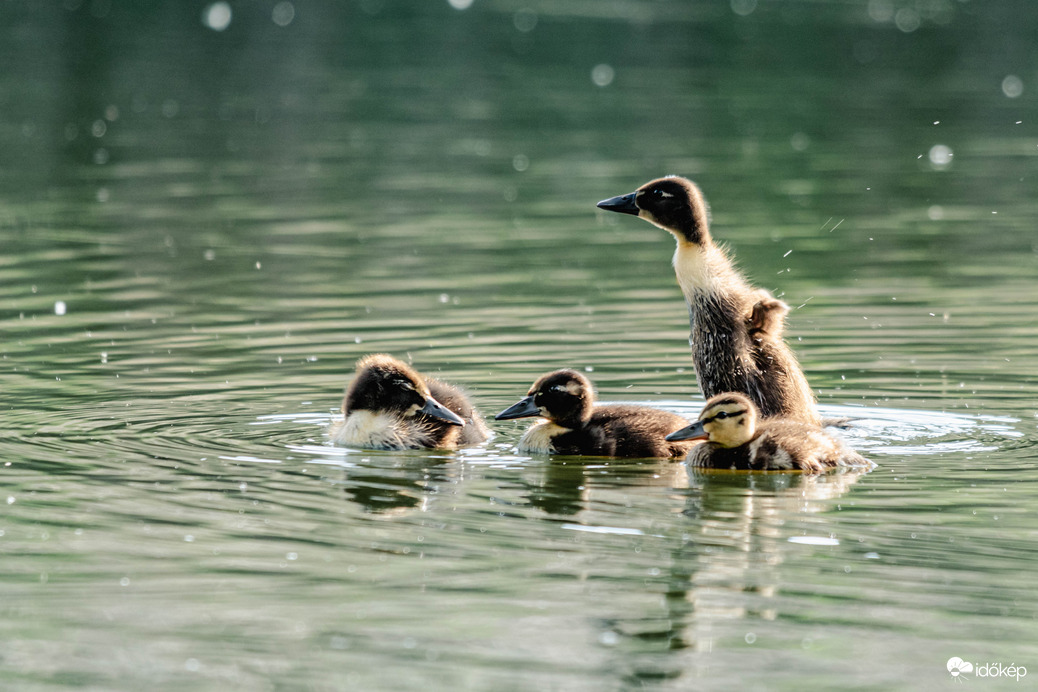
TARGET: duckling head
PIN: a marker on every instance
(385, 384)
(564, 397)
(674, 204)
(728, 420)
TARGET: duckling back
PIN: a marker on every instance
(615, 430)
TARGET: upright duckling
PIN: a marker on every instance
(721, 302)
(389, 405)
(736, 440)
(575, 426)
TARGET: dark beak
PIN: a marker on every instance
(524, 408)
(692, 432)
(437, 410)
(623, 204)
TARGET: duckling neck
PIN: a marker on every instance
(539, 437)
(704, 268)
(573, 421)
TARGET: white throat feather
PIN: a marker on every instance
(379, 430)
(538, 437)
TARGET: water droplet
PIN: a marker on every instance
(941, 155)
(907, 19)
(525, 19)
(744, 8)
(1012, 86)
(799, 141)
(217, 16)
(283, 14)
(460, 4)
(602, 75)
(881, 10)
(59, 307)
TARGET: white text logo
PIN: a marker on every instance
(959, 668)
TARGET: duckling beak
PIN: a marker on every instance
(524, 408)
(691, 432)
(437, 410)
(623, 204)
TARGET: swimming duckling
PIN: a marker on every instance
(389, 405)
(736, 440)
(575, 426)
(721, 305)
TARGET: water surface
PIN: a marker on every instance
(202, 231)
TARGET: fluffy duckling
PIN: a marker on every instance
(575, 426)
(726, 356)
(735, 439)
(389, 405)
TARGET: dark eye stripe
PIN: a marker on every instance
(723, 414)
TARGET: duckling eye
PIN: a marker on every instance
(722, 415)
(558, 388)
(404, 384)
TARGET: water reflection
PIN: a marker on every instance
(570, 486)
(203, 230)
(392, 486)
(727, 565)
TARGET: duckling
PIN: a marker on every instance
(575, 426)
(736, 440)
(726, 356)
(389, 405)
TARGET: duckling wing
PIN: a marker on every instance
(638, 431)
(710, 455)
(791, 445)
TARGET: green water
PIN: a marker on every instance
(202, 230)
